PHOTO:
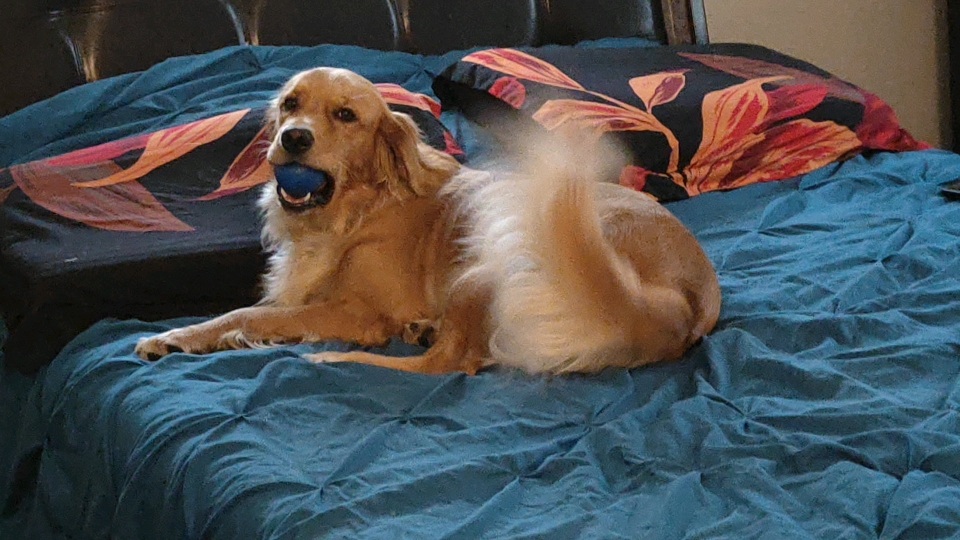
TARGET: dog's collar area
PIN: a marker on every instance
(319, 197)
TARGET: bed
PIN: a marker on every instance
(825, 404)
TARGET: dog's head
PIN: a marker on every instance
(336, 121)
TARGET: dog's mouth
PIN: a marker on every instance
(319, 197)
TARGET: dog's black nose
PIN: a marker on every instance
(296, 140)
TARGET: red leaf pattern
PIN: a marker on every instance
(787, 150)
(169, 144)
(119, 207)
(398, 95)
(880, 129)
(450, 145)
(509, 90)
(599, 118)
(750, 134)
(100, 152)
(749, 68)
(249, 169)
(792, 101)
(522, 66)
(730, 120)
(739, 147)
(658, 88)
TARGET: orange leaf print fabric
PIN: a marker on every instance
(167, 145)
(398, 95)
(748, 135)
(249, 169)
(599, 118)
(100, 152)
(730, 119)
(789, 149)
(881, 130)
(89, 187)
(792, 101)
(522, 66)
(119, 207)
(658, 88)
(736, 149)
(510, 91)
(751, 68)
(729, 114)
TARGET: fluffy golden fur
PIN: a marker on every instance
(548, 270)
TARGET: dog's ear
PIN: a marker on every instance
(407, 164)
(271, 117)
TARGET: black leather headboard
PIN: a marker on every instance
(47, 46)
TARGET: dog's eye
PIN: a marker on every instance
(344, 114)
(289, 104)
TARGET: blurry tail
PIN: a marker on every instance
(564, 299)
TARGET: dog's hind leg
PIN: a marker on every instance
(444, 357)
(461, 342)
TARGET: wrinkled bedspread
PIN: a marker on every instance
(825, 405)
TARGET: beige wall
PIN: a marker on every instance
(896, 49)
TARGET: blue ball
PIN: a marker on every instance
(298, 180)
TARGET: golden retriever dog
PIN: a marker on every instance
(549, 270)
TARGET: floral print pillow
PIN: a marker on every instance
(695, 118)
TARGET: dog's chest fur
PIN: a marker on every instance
(396, 262)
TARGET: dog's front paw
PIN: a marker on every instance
(422, 332)
(327, 357)
(173, 341)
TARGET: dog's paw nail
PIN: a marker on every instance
(153, 357)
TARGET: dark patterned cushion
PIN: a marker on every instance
(694, 118)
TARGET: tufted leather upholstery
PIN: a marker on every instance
(59, 43)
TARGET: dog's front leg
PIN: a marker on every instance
(267, 325)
